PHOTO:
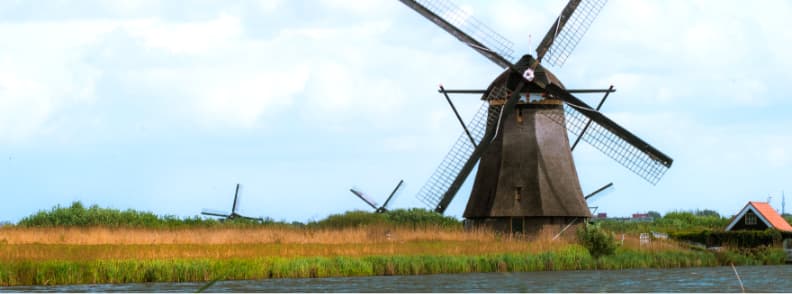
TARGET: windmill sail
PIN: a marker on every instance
(251, 218)
(611, 138)
(568, 29)
(440, 183)
(599, 192)
(365, 198)
(236, 197)
(392, 195)
(467, 29)
(443, 185)
(214, 213)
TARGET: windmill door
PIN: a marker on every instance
(517, 225)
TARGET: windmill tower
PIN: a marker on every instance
(526, 181)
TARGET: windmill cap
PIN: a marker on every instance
(525, 61)
(510, 78)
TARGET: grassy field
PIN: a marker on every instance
(203, 269)
(48, 256)
(71, 245)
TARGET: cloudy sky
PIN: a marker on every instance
(164, 106)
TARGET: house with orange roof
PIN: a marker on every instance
(761, 216)
(758, 216)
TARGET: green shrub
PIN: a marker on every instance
(675, 221)
(597, 241)
(349, 219)
(412, 218)
(421, 218)
(77, 215)
(736, 239)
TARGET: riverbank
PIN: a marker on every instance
(54, 256)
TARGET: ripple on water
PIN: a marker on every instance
(712, 279)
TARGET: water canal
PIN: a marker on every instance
(710, 279)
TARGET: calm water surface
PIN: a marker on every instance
(712, 279)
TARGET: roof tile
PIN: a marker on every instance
(771, 216)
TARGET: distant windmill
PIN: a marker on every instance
(233, 213)
(372, 203)
(596, 194)
(591, 197)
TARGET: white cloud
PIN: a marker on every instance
(40, 75)
(196, 37)
(25, 107)
(359, 8)
(338, 34)
(128, 7)
(401, 143)
(47, 72)
(338, 88)
(242, 101)
(269, 6)
(217, 96)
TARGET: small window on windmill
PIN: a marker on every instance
(519, 116)
(750, 219)
(517, 194)
(523, 98)
(535, 97)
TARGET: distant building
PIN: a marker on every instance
(758, 216)
(602, 215)
(641, 217)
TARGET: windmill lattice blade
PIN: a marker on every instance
(393, 194)
(365, 198)
(620, 145)
(466, 28)
(252, 218)
(439, 183)
(594, 195)
(566, 39)
(214, 213)
(236, 194)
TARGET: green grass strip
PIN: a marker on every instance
(572, 257)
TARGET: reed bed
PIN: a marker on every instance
(49, 256)
(34, 252)
(23, 244)
(84, 244)
(568, 257)
(253, 235)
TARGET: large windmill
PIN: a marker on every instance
(526, 180)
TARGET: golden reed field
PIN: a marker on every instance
(55, 256)
(219, 243)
